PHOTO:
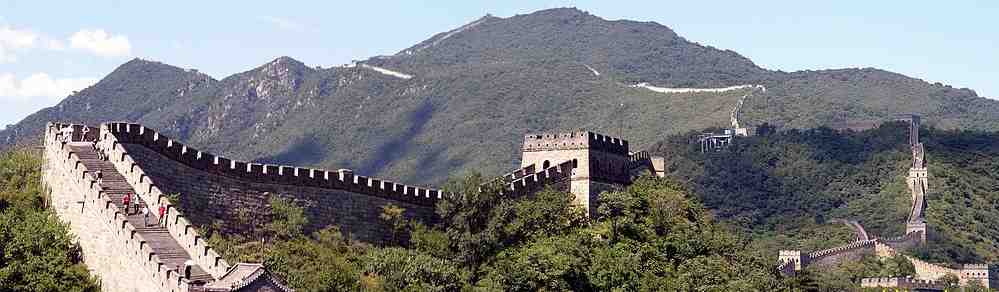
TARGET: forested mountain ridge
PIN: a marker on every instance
(462, 100)
(786, 188)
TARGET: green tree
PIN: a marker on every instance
(37, 253)
(287, 219)
(321, 263)
(950, 280)
(393, 215)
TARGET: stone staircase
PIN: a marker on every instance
(159, 239)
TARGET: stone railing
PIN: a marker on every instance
(132, 246)
(271, 174)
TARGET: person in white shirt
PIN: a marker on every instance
(145, 216)
(67, 133)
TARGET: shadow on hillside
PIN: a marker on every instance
(305, 151)
(395, 147)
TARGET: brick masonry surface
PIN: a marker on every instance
(208, 198)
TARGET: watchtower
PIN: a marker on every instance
(981, 273)
(791, 256)
(602, 162)
(914, 122)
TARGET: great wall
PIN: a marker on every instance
(89, 169)
(928, 276)
(128, 254)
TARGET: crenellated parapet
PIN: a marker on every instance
(127, 254)
(557, 176)
(819, 255)
(642, 161)
(66, 175)
(271, 174)
(575, 140)
(901, 282)
(520, 172)
(178, 225)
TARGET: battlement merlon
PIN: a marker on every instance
(575, 140)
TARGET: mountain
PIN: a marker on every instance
(462, 100)
(788, 190)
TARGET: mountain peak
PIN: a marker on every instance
(561, 12)
(143, 63)
(286, 60)
(283, 64)
(146, 68)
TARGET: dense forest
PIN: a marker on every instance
(651, 236)
(791, 189)
(37, 253)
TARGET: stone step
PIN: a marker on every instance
(159, 239)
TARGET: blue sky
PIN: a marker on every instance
(48, 49)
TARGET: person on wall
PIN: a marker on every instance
(126, 201)
(67, 134)
(145, 216)
(100, 177)
(162, 218)
(135, 203)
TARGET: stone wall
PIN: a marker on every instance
(852, 251)
(905, 242)
(237, 193)
(902, 283)
(557, 177)
(180, 228)
(112, 250)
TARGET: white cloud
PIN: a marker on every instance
(15, 38)
(101, 43)
(55, 45)
(284, 23)
(12, 39)
(6, 57)
(97, 41)
(40, 85)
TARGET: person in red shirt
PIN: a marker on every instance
(126, 200)
(163, 214)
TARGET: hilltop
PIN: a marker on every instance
(462, 100)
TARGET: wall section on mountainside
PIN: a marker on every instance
(850, 252)
(111, 250)
(209, 191)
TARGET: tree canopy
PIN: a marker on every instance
(37, 253)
